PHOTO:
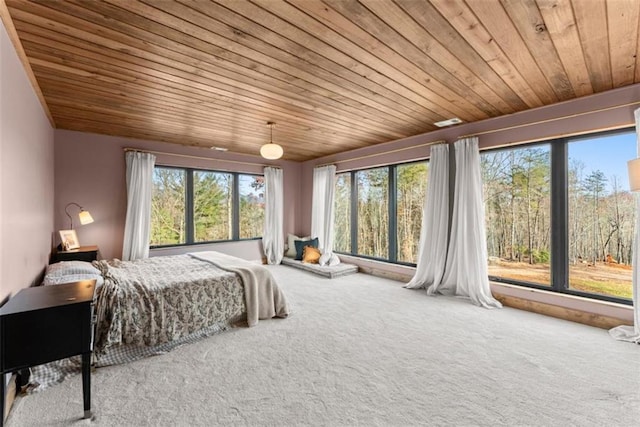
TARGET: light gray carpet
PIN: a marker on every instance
(361, 350)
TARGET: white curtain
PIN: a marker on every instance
(632, 333)
(466, 269)
(138, 221)
(322, 207)
(272, 237)
(432, 252)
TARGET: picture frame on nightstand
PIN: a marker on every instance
(69, 239)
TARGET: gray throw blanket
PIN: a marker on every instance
(264, 299)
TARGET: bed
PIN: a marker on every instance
(150, 306)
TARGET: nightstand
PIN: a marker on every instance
(46, 323)
(83, 253)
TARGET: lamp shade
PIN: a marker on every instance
(85, 217)
(634, 174)
(271, 151)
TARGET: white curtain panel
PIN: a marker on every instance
(466, 269)
(432, 252)
(322, 207)
(632, 333)
(139, 190)
(272, 237)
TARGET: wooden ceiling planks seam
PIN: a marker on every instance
(560, 22)
(158, 63)
(411, 30)
(132, 43)
(591, 25)
(393, 114)
(622, 22)
(526, 17)
(105, 65)
(476, 34)
(334, 75)
(314, 64)
(494, 17)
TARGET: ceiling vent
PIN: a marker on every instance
(450, 122)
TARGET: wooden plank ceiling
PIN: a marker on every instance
(334, 74)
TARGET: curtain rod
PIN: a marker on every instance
(441, 141)
(539, 122)
(189, 156)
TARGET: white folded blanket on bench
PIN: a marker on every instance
(330, 271)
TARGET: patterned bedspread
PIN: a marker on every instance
(146, 303)
(151, 306)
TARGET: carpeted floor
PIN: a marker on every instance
(361, 350)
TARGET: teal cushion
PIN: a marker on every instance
(300, 244)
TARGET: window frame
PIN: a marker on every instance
(189, 207)
(554, 191)
(392, 194)
(236, 211)
(559, 216)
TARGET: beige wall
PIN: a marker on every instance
(26, 170)
(90, 171)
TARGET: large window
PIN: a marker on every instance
(342, 215)
(212, 206)
(411, 184)
(251, 206)
(560, 215)
(198, 206)
(378, 212)
(601, 214)
(517, 199)
(168, 204)
(373, 212)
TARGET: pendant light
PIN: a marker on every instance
(271, 151)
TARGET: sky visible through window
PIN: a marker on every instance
(611, 161)
(599, 223)
(246, 188)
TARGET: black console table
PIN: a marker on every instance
(46, 323)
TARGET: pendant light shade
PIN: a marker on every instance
(271, 151)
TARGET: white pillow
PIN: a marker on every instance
(291, 246)
(65, 268)
(60, 280)
(71, 271)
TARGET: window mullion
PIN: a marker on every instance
(393, 214)
(354, 213)
(559, 216)
(235, 210)
(189, 208)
